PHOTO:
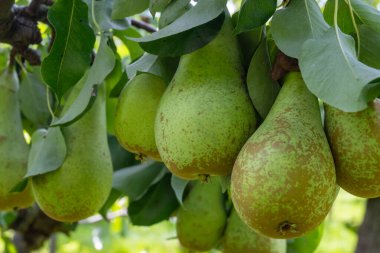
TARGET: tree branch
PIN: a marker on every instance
(5, 9)
(143, 25)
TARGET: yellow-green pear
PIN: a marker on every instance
(79, 188)
(136, 113)
(13, 148)
(239, 238)
(205, 115)
(201, 219)
(355, 143)
(283, 181)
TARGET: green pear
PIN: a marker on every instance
(205, 115)
(239, 238)
(136, 113)
(13, 148)
(355, 143)
(79, 188)
(202, 218)
(283, 181)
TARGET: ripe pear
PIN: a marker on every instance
(205, 115)
(79, 188)
(283, 181)
(202, 218)
(355, 143)
(136, 113)
(239, 238)
(13, 148)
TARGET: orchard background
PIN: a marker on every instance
(56, 45)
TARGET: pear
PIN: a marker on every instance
(79, 188)
(13, 148)
(355, 143)
(136, 113)
(201, 219)
(205, 115)
(239, 238)
(283, 182)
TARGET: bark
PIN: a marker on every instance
(369, 232)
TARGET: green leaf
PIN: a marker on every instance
(103, 65)
(71, 52)
(369, 46)
(48, 151)
(114, 195)
(33, 101)
(20, 186)
(156, 205)
(135, 181)
(254, 13)
(158, 5)
(292, 26)
(331, 70)
(135, 51)
(192, 30)
(306, 244)
(179, 186)
(262, 89)
(121, 158)
(367, 14)
(115, 92)
(344, 16)
(174, 10)
(102, 15)
(7, 218)
(126, 8)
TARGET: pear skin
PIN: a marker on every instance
(136, 113)
(355, 143)
(205, 115)
(79, 188)
(239, 238)
(201, 219)
(13, 148)
(283, 181)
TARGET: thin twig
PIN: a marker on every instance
(143, 25)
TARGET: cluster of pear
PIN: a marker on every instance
(79, 188)
(285, 173)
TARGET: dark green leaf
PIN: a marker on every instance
(121, 158)
(19, 187)
(344, 16)
(7, 218)
(179, 186)
(114, 195)
(135, 51)
(307, 243)
(135, 181)
(262, 89)
(340, 80)
(119, 86)
(189, 32)
(254, 13)
(369, 46)
(71, 53)
(156, 205)
(48, 151)
(102, 12)
(367, 14)
(174, 10)
(33, 101)
(103, 65)
(158, 5)
(292, 26)
(126, 8)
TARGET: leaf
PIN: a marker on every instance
(344, 16)
(33, 102)
(115, 92)
(192, 30)
(6, 219)
(103, 13)
(367, 14)
(292, 26)
(225, 182)
(121, 158)
(156, 205)
(306, 244)
(20, 186)
(48, 151)
(369, 46)
(262, 89)
(135, 51)
(112, 198)
(254, 13)
(103, 65)
(71, 52)
(174, 10)
(158, 5)
(179, 186)
(340, 80)
(126, 8)
(135, 181)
